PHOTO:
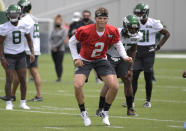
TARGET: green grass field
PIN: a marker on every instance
(59, 110)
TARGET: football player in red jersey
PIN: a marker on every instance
(95, 40)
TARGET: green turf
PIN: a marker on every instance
(59, 110)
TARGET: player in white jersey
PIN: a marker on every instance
(146, 48)
(12, 54)
(129, 36)
(32, 23)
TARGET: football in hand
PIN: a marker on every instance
(184, 74)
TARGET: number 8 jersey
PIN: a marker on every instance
(14, 37)
(149, 30)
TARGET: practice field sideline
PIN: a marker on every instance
(171, 56)
(59, 110)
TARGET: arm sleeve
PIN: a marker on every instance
(121, 50)
(157, 26)
(28, 27)
(73, 48)
(3, 31)
(27, 30)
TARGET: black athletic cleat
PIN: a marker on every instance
(35, 99)
(98, 112)
(13, 98)
(131, 112)
(153, 79)
(58, 80)
(3, 98)
(31, 79)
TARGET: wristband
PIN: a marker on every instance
(158, 47)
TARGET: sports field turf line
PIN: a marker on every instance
(59, 128)
(171, 56)
(56, 128)
(117, 117)
(175, 126)
(54, 108)
(118, 98)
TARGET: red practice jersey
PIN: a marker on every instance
(92, 45)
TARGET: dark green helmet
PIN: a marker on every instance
(141, 11)
(13, 13)
(25, 5)
(131, 25)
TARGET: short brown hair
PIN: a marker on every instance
(58, 17)
(101, 12)
(86, 11)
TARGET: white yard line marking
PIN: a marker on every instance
(55, 108)
(118, 127)
(175, 126)
(148, 119)
(56, 128)
(171, 56)
(117, 117)
(120, 98)
(61, 91)
(165, 101)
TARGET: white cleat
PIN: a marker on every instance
(147, 104)
(105, 118)
(24, 106)
(9, 105)
(86, 119)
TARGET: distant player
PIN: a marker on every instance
(95, 40)
(145, 55)
(129, 36)
(12, 54)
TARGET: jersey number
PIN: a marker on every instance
(16, 37)
(145, 35)
(36, 31)
(97, 52)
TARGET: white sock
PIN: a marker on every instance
(22, 101)
(9, 102)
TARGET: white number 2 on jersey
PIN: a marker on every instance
(97, 52)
